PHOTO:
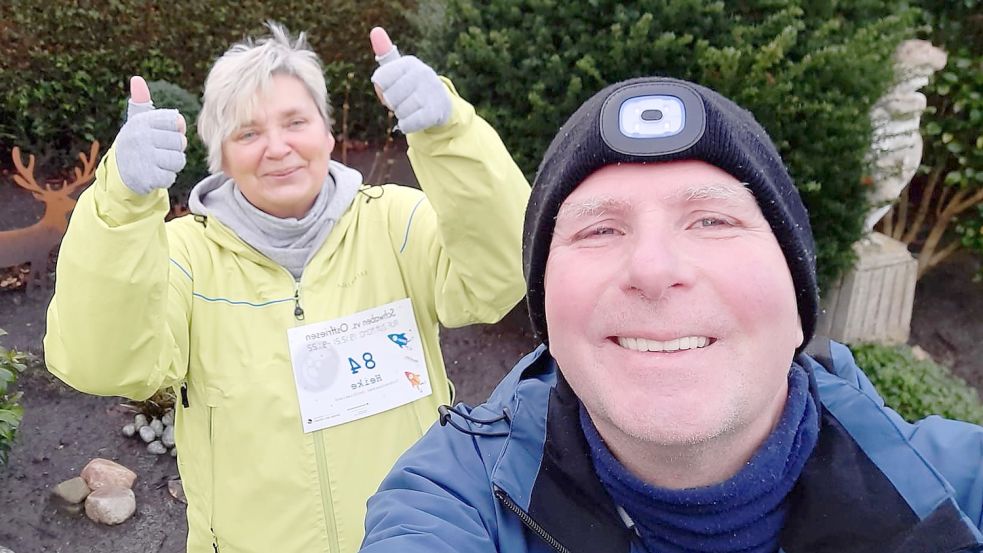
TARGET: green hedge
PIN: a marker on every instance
(810, 71)
(916, 389)
(65, 66)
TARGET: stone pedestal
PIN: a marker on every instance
(872, 303)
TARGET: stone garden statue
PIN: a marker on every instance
(896, 144)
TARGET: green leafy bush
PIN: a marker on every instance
(952, 124)
(953, 149)
(11, 363)
(65, 84)
(810, 72)
(916, 389)
(970, 231)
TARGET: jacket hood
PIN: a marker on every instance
(207, 197)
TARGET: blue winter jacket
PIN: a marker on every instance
(522, 480)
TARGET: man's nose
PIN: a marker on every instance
(657, 263)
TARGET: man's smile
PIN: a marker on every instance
(676, 344)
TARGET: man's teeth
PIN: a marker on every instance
(641, 344)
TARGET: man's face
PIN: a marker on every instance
(670, 307)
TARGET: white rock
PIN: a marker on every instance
(156, 448)
(110, 505)
(158, 427)
(174, 452)
(102, 473)
(129, 430)
(168, 418)
(168, 437)
(920, 354)
(140, 420)
(147, 434)
(5, 550)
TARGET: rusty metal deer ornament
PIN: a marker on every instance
(34, 243)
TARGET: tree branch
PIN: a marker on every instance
(970, 202)
(945, 252)
(924, 205)
(927, 253)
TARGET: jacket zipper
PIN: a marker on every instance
(298, 310)
(330, 524)
(211, 440)
(528, 521)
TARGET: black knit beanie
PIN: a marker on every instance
(614, 126)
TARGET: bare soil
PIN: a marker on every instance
(947, 320)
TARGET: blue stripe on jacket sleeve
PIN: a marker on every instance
(183, 270)
(406, 236)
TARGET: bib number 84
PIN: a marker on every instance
(367, 361)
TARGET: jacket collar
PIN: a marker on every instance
(568, 499)
(854, 479)
(220, 234)
(559, 493)
(844, 503)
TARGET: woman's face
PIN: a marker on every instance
(279, 158)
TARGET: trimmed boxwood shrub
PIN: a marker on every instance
(65, 65)
(810, 72)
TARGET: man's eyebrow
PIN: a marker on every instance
(593, 206)
(736, 192)
(599, 205)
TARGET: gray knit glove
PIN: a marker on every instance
(413, 91)
(150, 147)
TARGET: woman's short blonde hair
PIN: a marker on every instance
(245, 70)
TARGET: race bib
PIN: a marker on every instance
(356, 366)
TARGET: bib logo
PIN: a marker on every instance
(317, 368)
(415, 380)
(400, 340)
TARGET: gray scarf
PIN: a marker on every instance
(290, 242)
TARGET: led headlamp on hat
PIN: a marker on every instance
(657, 119)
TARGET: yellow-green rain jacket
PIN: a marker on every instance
(140, 305)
